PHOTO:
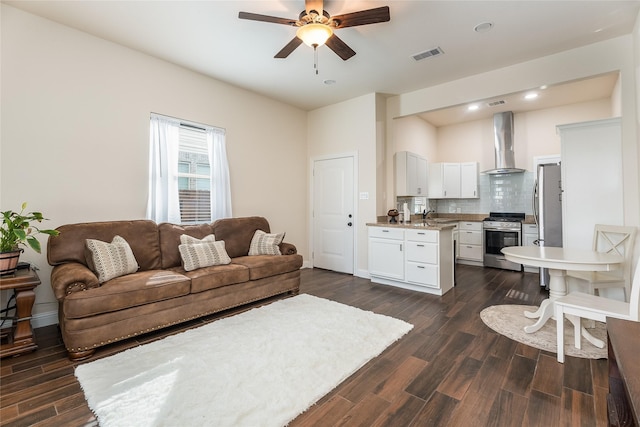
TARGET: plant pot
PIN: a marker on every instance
(9, 261)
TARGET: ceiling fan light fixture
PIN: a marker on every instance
(314, 35)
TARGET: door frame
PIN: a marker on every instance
(354, 156)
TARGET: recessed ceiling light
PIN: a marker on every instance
(543, 87)
(483, 27)
(329, 82)
(532, 95)
(473, 107)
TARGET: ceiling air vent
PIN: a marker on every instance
(428, 53)
(496, 103)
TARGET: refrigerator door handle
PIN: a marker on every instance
(535, 203)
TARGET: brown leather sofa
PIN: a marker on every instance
(161, 293)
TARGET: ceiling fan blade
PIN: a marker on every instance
(363, 17)
(316, 5)
(290, 47)
(266, 18)
(339, 47)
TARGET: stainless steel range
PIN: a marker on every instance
(501, 229)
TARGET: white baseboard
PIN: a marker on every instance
(363, 273)
(44, 319)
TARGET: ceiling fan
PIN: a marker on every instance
(315, 26)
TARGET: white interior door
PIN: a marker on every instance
(333, 214)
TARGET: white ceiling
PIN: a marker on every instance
(208, 37)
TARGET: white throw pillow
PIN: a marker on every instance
(111, 260)
(205, 254)
(186, 239)
(265, 244)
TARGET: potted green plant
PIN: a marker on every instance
(15, 230)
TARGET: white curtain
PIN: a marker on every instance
(163, 204)
(220, 183)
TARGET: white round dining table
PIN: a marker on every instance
(558, 261)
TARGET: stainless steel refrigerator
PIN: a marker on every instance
(547, 210)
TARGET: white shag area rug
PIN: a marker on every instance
(509, 320)
(262, 367)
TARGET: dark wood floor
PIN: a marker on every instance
(450, 370)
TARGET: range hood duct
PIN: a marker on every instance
(503, 133)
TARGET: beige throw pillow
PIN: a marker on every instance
(110, 260)
(265, 244)
(205, 254)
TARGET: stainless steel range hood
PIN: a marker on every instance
(503, 133)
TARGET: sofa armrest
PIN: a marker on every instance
(288, 249)
(72, 277)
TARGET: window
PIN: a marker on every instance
(194, 175)
(184, 187)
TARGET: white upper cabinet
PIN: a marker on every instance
(469, 180)
(453, 180)
(411, 174)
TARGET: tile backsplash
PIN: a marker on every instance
(498, 193)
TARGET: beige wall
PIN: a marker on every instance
(416, 135)
(75, 133)
(534, 134)
(350, 127)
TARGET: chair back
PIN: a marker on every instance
(634, 299)
(617, 240)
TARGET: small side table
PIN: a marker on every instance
(19, 338)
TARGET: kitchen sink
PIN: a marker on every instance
(442, 220)
(433, 222)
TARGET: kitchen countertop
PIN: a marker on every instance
(454, 217)
(431, 225)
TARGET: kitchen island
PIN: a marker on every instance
(417, 256)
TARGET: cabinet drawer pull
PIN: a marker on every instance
(421, 266)
(421, 233)
(400, 247)
(385, 231)
(420, 246)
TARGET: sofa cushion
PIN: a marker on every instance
(206, 254)
(142, 236)
(265, 243)
(261, 266)
(185, 239)
(132, 290)
(217, 276)
(170, 240)
(110, 260)
(238, 232)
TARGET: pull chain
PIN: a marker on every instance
(315, 58)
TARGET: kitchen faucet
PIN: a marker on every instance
(425, 214)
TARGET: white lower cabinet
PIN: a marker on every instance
(422, 257)
(470, 242)
(426, 263)
(386, 258)
(529, 237)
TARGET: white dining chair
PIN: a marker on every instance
(613, 239)
(587, 306)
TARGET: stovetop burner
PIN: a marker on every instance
(505, 216)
